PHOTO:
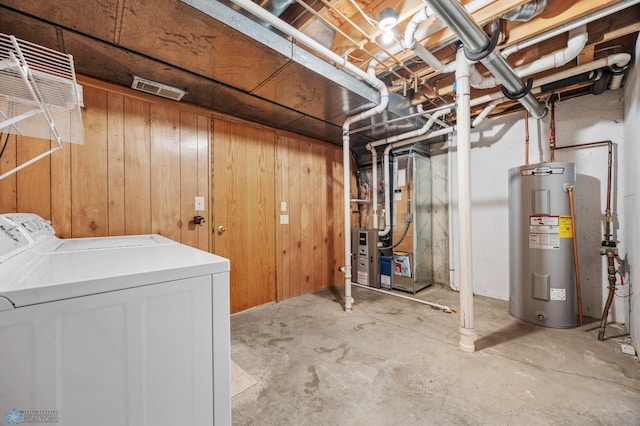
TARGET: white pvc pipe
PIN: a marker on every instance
(281, 25)
(450, 199)
(368, 77)
(613, 8)
(413, 299)
(577, 40)
(346, 163)
(471, 7)
(467, 332)
(620, 60)
(395, 142)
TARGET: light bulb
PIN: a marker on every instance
(387, 36)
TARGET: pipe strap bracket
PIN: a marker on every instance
(493, 41)
(521, 94)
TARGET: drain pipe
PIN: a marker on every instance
(346, 151)
(370, 78)
(479, 47)
(577, 40)
(463, 121)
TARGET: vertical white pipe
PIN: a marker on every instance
(463, 87)
(346, 175)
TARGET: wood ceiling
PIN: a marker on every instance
(233, 70)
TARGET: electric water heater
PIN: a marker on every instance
(541, 272)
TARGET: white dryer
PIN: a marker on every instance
(127, 330)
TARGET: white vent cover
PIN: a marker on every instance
(156, 88)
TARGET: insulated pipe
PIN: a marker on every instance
(474, 38)
(463, 121)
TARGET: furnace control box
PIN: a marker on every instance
(364, 249)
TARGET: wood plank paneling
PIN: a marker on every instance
(188, 177)
(89, 176)
(321, 272)
(115, 163)
(34, 181)
(165, 165)
(310, 245)
(295, 220)
(203, 190)
(307, 237)
(146, 159)
(137, 166)
(61, 191)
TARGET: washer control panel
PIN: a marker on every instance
(20, 231)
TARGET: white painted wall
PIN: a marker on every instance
(631, 178)
(498, 145)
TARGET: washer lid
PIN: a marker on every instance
(46, 275)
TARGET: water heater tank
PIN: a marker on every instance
(541, 276)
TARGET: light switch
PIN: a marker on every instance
(199, 204)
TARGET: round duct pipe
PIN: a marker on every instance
(602, 83)
(570, 81)
(526, 12)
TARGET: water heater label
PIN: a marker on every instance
(558, 294)
(544, 232)
(565, 228)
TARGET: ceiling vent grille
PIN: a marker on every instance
(157, 89)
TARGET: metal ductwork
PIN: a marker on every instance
(480, 47)
(276, 7)
(526, 12)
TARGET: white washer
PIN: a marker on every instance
(111, 331)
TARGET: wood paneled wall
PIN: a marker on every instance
(142, 165)
(144, 161)
(310, 247)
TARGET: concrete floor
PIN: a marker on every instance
(397, 362)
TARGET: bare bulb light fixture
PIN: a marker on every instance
(387, 19)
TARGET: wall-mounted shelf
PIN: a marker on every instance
(39, 96)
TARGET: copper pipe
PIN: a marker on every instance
(607, 232)
(526, 138)
(552, 132)
(611, 272)
(575, 252)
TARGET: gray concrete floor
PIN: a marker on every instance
(393, 361)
